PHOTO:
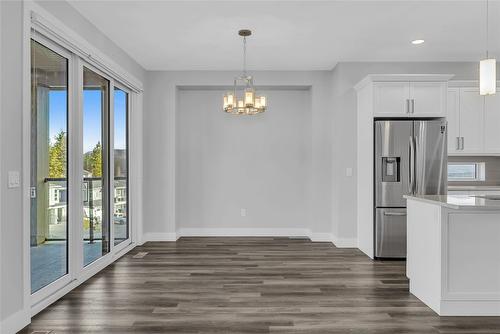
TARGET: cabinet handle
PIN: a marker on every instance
(458, 144)
(463, 143)
(407, 106)
(412, 106)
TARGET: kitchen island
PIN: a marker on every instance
(453, 253)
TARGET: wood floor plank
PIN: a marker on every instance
(249, 285)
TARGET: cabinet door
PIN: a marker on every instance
(453, 118)
(390, 98)
(492, 123)
(428, 99)
(471, 120)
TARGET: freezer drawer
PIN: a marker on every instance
(390, 233)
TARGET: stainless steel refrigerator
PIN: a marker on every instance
(410, 158)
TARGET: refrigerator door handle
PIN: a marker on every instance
(414, 165)
(388, 213)
(411, 167)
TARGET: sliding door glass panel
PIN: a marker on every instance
(48, 167)
(95, 166)
(120, 197)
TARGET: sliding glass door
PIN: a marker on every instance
(96, 233)
(49, 166)
(120, 166)
(78, 130)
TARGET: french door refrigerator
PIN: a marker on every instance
(410, 158)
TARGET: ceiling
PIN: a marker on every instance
(293, 35)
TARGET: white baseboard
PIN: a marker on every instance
(243, 232)
(251, 232)
(470, 308)
(321, 237)
(344, 242)
(15, 322)
(154, 236)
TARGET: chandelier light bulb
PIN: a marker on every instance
(257, 102)
(230, 100)
(249, 98)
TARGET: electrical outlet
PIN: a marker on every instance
(243, 212)
(348, 171)
(14, 179)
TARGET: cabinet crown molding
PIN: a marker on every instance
(370, 78)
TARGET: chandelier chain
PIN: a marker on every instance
(487, 28)
(245, 56)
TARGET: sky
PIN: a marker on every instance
(91, 117)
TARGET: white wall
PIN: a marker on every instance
(162, 177)
(11, 233)
(261, 163)
(10, 123)
(344, 77)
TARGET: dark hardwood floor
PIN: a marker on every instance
(249, 285)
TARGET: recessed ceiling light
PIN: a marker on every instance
(417, 41)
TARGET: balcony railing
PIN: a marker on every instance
(92, 207)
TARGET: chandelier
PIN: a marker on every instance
(248, 103)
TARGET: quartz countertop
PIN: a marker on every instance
(473, 188)
(458, 202)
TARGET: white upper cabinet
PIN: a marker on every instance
(453, 118)
(428, 99)
(492, 123)
(391, 98)
(409, 99)
(471, 121)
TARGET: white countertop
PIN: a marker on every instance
(457, 202)
(473, 188)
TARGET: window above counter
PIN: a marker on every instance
(466, 171)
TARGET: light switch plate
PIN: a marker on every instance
(348, 171)
(243, 212)
(14, 179)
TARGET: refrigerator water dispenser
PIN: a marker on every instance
(390, 169)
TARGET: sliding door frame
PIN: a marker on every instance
(106, 158)
(54, 286)
(125, 243)
(49, 31)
